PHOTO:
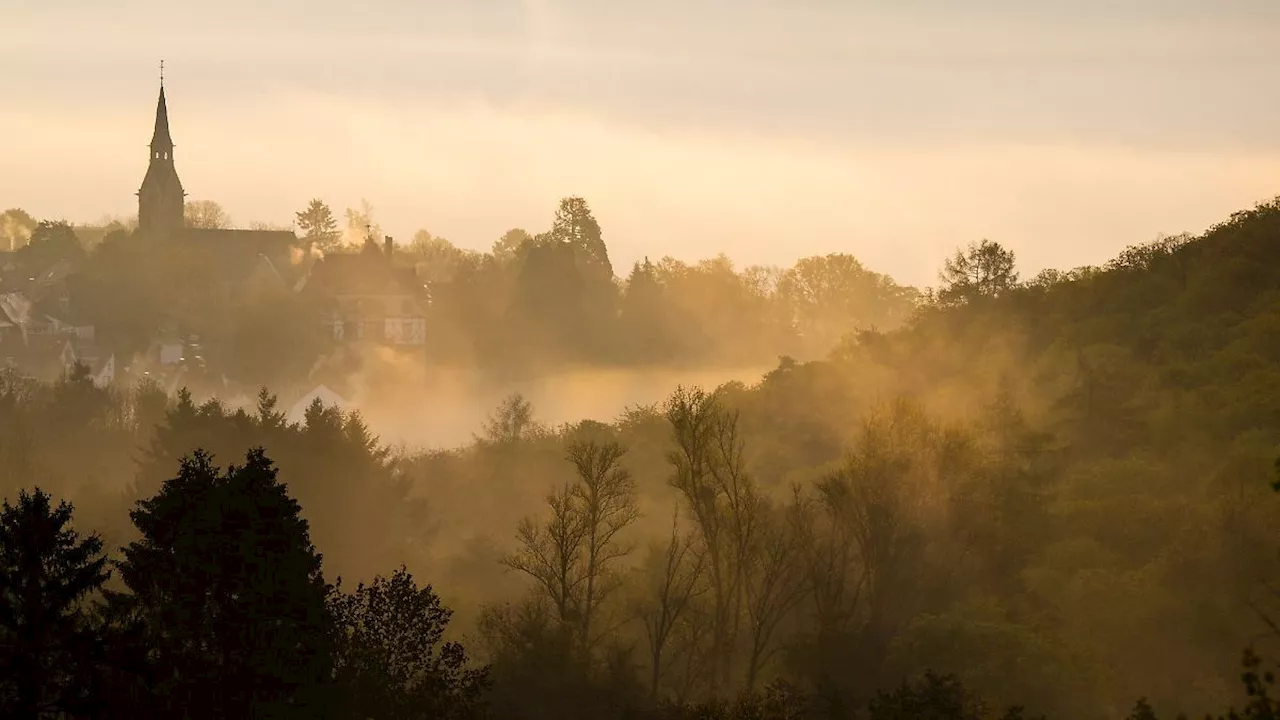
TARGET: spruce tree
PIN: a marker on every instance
(48, 638)
(230, 590)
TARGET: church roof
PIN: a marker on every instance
(236, 254)
(160, 138)
(276, 239)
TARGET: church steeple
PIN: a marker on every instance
(160, 199)
(160, 140)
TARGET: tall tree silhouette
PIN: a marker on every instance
(230, 590)
(47, 639)
(981, 270)
(318, 226)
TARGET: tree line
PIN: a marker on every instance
(1052, 493)
(756, 604)
(534, 302)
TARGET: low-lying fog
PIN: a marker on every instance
(446, 409)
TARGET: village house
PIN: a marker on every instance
(42, 336)
(364, 298)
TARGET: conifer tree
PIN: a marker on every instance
(229, 588)
(47, 636)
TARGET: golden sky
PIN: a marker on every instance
(765, 130)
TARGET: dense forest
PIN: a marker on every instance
(996, 498)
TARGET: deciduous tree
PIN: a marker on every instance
(391, 660)
(205, 214)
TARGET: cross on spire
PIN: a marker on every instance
(162, 73)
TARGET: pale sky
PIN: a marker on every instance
(895, 131)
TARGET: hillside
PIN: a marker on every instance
(1056, 490)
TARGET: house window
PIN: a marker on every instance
(392, 329)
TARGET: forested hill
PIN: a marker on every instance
(1056, 493)
(1149, 394)
(1183, 328)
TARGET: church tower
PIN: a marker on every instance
(160, 199)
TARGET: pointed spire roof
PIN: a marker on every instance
(161, 137)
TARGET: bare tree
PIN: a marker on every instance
(606, 504)
(774, 584)
(551, 553)
(571, 556)
(690, 645)
(832, 572)
(742, 508)
(675, 572)
(205, 214)
(511, 421)
(710, 472)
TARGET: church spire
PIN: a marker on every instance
(161, 199)
(160, 140)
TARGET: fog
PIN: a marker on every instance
(559, 360)
(445, 409)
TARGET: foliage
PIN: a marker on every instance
(50, 242)
(982, 270)
(230, 592)
(205, 214)
(391, 660)
(318, 226)
(361, 226)
(16, 226)
(1052, 493)
(48, 642)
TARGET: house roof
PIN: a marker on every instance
(16, 308)
(38, 356)
(362, 273)
(298, 409)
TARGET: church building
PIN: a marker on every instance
(361, 298)
(161, 198)
(236, 254)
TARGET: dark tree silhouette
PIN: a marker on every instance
(933, 697)
(319, 227)
(984, 269)
(230, 590)
(47, 637)
(50, 242)
(391, 661)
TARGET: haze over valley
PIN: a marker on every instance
(546, 359)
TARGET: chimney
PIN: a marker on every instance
(389, 245)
